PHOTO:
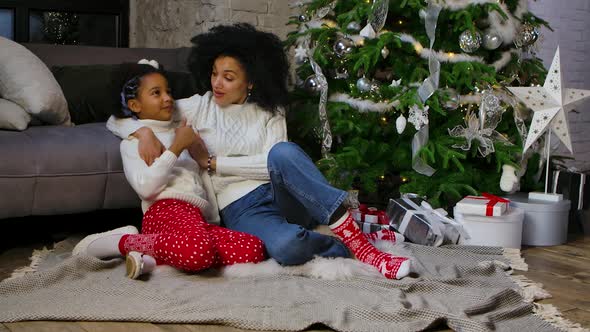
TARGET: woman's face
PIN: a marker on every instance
(153, 99)
(229, 82)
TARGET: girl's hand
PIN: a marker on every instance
(150, 148)
(185, 136)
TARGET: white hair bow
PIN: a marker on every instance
(152, 63)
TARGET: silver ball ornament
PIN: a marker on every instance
(452, 103)
(470, 41)
(303, 18)
(343, 46)
(527, 35)
(354, 26)
(492, 40)
(363, 84)
(312, 84)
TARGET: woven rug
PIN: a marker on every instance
(468, 288)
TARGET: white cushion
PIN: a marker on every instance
(26, 80)
(12, 116)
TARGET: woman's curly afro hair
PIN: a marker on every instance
(260, 53)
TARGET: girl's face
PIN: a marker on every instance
(153, 100)
(229, 82)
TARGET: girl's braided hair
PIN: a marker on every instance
(131, 86)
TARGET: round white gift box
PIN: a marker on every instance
(545, 222)
(501, 231)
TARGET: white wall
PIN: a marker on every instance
(172, 23)
(570, 20)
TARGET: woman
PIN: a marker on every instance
(265, 186)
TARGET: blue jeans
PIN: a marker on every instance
(281, 212)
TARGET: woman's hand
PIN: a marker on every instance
(198, 150)
(150, 146)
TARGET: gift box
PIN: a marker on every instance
(419, 223)
(485, 205)
(367, 227)
(502, 231)
(369, 215)
(545, 222)
(572, 185)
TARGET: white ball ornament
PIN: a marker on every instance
(384, 52)
(492, 40)
(354, 26)
(400, 123)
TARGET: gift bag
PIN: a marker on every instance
(572, 185)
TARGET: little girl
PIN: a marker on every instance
(173, 193)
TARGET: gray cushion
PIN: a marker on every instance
(13, 116)
(26, 80)
(58, 170)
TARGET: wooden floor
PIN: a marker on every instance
(563, 270)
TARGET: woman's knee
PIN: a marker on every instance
(284, 152)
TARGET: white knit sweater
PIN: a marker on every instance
(169, 176)
(239, 135)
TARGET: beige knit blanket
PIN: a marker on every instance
(466, 287)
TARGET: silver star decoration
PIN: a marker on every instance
(550, 104)
(300, 53)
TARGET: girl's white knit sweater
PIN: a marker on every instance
(240, 136)
(169, 176)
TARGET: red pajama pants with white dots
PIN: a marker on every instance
(175, 233)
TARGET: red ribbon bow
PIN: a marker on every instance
(493, 200)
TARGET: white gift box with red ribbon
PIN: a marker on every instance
(485, 205)
(370, 215)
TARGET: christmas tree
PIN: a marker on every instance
(409, 96)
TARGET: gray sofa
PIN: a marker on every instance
(51, 170)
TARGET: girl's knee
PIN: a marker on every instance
(248, 249)
(189, 253)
